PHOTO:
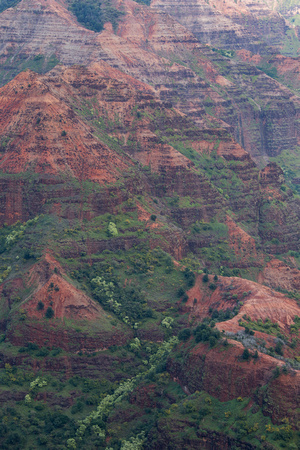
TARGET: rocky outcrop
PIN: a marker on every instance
(60, 335)
(278, 212)
(44, 135)
(147, 48)
(258, 302)
(227, 24)
(39, 27)
(277, 274)
(56, 314)
(223, 373)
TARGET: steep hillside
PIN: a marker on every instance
(190, 76)
(149, 239)
(228, 24)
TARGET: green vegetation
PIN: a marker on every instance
(114, 243)
(295, 20)
(289, 161)
(101, 404)
(291, 45)
(269, 70)
(141, 290)
(93, 15)
(266, 326)
(226, 53)
(5, 4)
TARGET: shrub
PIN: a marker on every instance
(56, 351)
(22, 350)
(205, 278)
(249, 331)
(153, 217)
(190, 277)
(43, 352)
(212, 341)
(32, 346)
(64, 133)
(203, 333)
(184, 334)
(49, 313)
(40, 306)
(278, 348)
(180, 292)
(28, 254)
(185, 298)
(246, 354)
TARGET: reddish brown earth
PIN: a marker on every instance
(222, 371)
(222, 22)
(45, 135)
(278, 274)
(243, 244)
(46, 27)
(54, 290)
(78, 323)
(224, 374)
(259, 302)
(146, 43)
(288, 69)
(247, 56)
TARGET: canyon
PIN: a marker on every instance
(149, 240)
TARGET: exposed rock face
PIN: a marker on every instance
(47, 27)
(283, 220)
(206, 440)
(227, 24)
(252, 121)
(225, 375)
(146, 35)
(53, 290)
(44, 134)
(259, 302)
(75, 143)
(288, 69)
(222, 371)
(60, 336)
(277, 274)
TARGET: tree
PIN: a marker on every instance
(184, 334)
(112, 229)
(49, 313)
(205, 278)
(246, 354)
(40, 306)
